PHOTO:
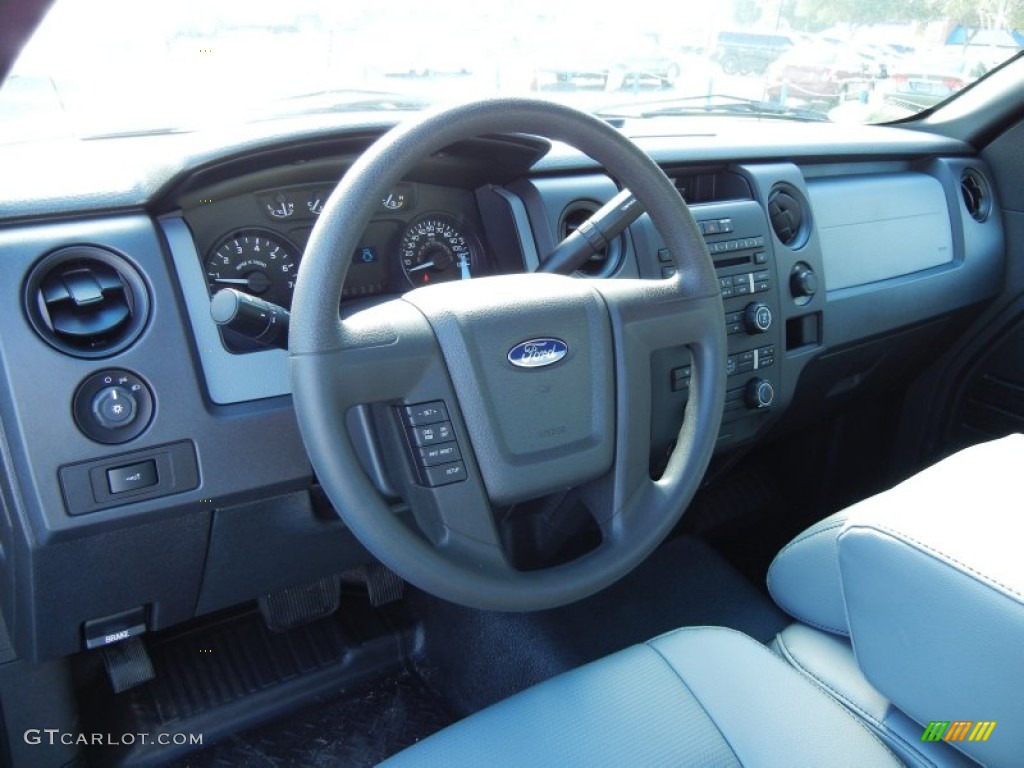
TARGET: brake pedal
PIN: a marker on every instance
(295, 606)
(383, 585)
(127, 664)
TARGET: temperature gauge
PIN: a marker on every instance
(398, 199)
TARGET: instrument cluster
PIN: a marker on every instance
(421, 235)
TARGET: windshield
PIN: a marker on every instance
(100, 68)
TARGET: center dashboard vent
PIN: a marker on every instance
(602, 263)
(787, 216)
(86, 301)
(975, 192)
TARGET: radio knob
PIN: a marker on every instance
(759, 394)
(757, 318)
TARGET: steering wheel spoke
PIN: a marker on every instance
(391, 345)
(648, 316)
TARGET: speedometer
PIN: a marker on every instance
(255, 261)
(436, 248)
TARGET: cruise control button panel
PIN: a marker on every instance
(443, 474)
(431, 433)
(425, 413)
(434, 447)
(432, 455)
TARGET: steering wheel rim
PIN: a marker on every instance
(447, 554)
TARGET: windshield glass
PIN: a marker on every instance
(122, 67)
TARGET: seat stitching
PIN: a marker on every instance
(905, 538)
(783, 603)
(774, 656)
(792, 659)
(699, 702)
(800, 617)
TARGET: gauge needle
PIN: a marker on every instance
(424, 265)
(464, 267)
(231, 280)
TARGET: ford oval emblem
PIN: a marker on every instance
(536, 353)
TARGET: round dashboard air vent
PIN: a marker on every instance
(787, 217)
(976, 195)
(86, 301)
(602, 263)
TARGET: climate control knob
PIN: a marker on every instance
(757, 318)
(759, 394)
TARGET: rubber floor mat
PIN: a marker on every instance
(230, 674)
(358, 728)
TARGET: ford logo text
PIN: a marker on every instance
(536, 353)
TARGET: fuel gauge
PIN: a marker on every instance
(279, 206)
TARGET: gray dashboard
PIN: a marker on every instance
(886, 243)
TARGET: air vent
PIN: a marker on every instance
(602, 263)
(786, 213)
(976, 196)
(86, 301)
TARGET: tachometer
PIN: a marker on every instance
(436, 248)
(255, 261)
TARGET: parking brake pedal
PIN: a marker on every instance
(127, 664)
(300, 605)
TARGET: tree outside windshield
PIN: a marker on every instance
(112, 67)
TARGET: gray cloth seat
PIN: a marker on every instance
(911, 606)
(703, 696)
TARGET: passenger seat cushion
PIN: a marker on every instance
(693, 697)
(804, 577)
(933, 580)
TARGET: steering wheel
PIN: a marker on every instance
(524, 423)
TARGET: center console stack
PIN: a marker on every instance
(740, 245)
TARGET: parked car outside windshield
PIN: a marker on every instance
(923, 80)
(183, 66)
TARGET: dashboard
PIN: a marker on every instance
(155, 454)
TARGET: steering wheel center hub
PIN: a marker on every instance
(540, 428)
